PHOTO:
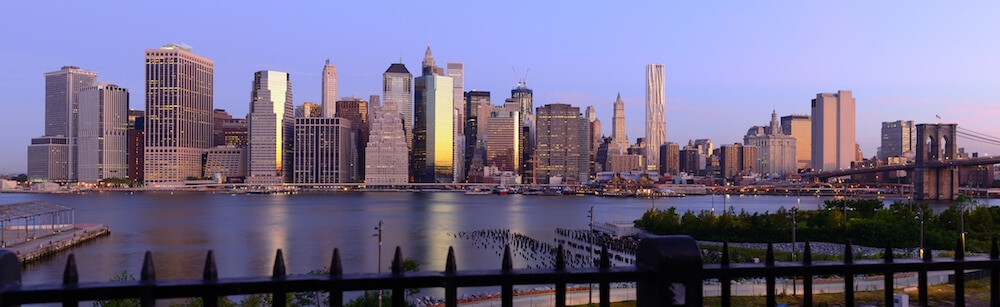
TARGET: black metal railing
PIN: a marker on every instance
(668, 272)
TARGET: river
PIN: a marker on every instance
(245, 230)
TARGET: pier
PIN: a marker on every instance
(36, 229)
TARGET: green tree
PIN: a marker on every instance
(370, 298)
(125, 302)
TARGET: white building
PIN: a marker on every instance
(103, 133)
(833, 131)
(775, 150)
(329, 90)
(386, 155)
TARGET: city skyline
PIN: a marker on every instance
(899, 65)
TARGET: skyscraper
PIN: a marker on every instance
(833, 131)
(271, 132)
(618, 137)
(433, 125)
(329, 89)
(397, 88)
(595, 138)
(103, 137)
(502, 137)
(456, 70)
(179, 87)
(386, 155)
(477, 107)
(62, 117)
(562, 144)
(309, 109)
(799, 127)
(656, 120)
(898, 139)
(322, 150)
(356, 111)
(775, 150)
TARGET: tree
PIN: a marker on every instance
(370, 298)
(125, 302)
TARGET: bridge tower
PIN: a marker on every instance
(935, 145)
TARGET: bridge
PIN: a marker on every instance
(935, 171)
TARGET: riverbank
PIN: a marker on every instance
(42, 247)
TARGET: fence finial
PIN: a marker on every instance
(279, 265)
(148, 269)
(336, 267)
(210, 272)
(70, 275)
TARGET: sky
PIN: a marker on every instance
(728, 64)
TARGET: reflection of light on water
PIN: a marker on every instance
(276, 217)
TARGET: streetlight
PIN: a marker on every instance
(920, 215)
(794, 227)
(379, 234)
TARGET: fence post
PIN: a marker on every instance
(676, 261)
(10, 273)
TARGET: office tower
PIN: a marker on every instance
(136, 148)
(775, 150)
(103, 133)
(48, 159)
(329, 89)
(833, 131)
(374, 104)
(799, 127)
(559, 150)
(322, 150)
(704, 146)
(656, 119)
(457, 149)
(179, 87)
(397, 87)
(618, 136)
(225, 162)
(595, 138)
(433, 125)
(386, 154)
(689, 162)
(670, 158)
(736, 159)
(898, 139)
(523, 95)
(477, 106)
(456, 71)
(271, 132)
(229, 131)
(502, 138)
(61, 120)
(356, 111)
(309, 109)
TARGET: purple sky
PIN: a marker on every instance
(727, 65)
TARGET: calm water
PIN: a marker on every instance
(245, 230)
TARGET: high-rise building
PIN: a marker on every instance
(356, 111)
(456, 71)
(502, 138)
(329, 90)
(179, 87)
(433, 125)
(48, 159)
(562, 144)
(225, 162)
(397, 87)
(618, 136)
(477, 106)
(670, 158)
(833, 131)
(523, 95)
(322, 150)
(386, 155)
(309, 109)
(656, 120)
(136, 149)
(229, 131)
(61, 120)
(271, 132)
(898, 139)
(595, 138)
(103, 133)
(775, 150)
(799, 127)
(736, 159)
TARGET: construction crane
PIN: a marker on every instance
(521, 82)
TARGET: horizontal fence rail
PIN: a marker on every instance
(668, 272)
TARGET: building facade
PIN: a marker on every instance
(477, 109)
(656, 119)
(179, 89)
(386, 154)
(433, 125)
(503, 137)
(271, 132)
(309, 109)
(898, 139)
(833, 131)
(103, 133)
(799, 127)
(618, 128)
(48, 159)
(775, 150)
(329, 87)
(562, 140)
(397, 88)
(62, 120)
(225, 162)
(322, 150)
(356, 111)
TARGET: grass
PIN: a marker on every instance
(977, 293)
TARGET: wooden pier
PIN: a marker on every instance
(43, 246)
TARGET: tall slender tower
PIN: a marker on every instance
(178, 124)
(103, 138)
(271, 132)
(833, 131)
(397, 88)
(656, 120)
(456, 70)
(329, 89)
(618, 126)
(62, 110)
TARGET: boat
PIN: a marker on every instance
(478, 191)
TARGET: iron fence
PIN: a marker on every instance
(668, 272)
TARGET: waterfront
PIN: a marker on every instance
(245, 230)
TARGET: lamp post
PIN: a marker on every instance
(920, 215)
(379, 234)
(794, 227)
(590, 237)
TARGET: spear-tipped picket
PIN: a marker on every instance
(508, 263)
(770, 278)
(210, 273)
(807, 281)
(725, 253)
(887, 285)
(279, 265)
(560, 258)
(450, 268)
(507, 287)
(848, 278)
(959, 273)
(397, 261)
(560, 286)
(70, 275)
(148, 272)
(994, 273)
(726, 285)
(336, 266)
